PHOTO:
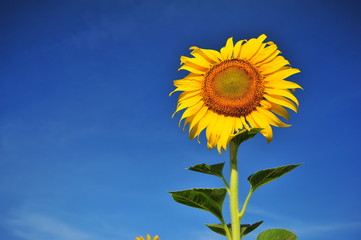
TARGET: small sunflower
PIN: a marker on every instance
(240, 87)
(148, 237)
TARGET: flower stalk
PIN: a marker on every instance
(236, 232)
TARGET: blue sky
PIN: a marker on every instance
(88, 149)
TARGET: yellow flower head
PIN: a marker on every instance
(240, 87)
(148, 237)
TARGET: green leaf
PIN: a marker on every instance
(277, 234)
(218, 228)
(215, 169)
(207, 199)
(245, 135)
(245, 228)
(267, 175)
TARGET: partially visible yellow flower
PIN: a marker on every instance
(240, 87)
(148, 237)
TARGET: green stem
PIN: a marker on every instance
(236, 235)
(245, 205)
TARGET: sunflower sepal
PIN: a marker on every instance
(265, 176)
(277, 234)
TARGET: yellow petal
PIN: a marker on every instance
(200, 114)
(199, 54)
(282, 74)
(237, 48)
(233, 123)
(148, 237)
(265, 104)
(188, 85)
(260, 122)
(250, 48)
(227, 131)
(271, 118)
(281, 101)
(194, 76)
(227, 51)
(238, 125)
(213, 55)
(277, 109)
(210, 128)
(184, 82)
(282, 84)
(245, 124)
(195, 61)
(274, 65)
(265, 53)
(186, 121)
(282, 92)
(202, 124)
(188, 94)
(188, 103)
(156, 237)
(218, 130)
(193, 65)
(179, 89)
(192, 110)
(251, 121)
(193, 69)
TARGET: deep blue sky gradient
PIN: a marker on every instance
(88, 150)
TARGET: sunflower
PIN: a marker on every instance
(148, 237)
(240, 87)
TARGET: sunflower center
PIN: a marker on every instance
(233, 88)
(232, 83)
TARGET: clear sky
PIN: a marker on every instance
(88, 149)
